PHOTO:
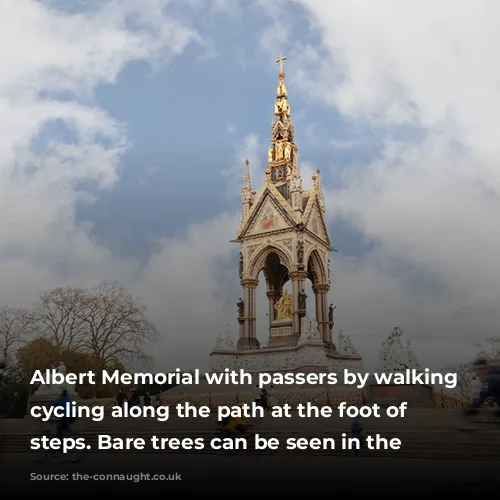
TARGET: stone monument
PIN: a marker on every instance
(395, 356)
(47, 394)
(284, 235)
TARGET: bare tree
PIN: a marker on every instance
(491, 350)
(466, 379)
(105, 321)
(59, 319)
(16, 328)
(116, 323)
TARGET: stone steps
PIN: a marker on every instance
(417, 420)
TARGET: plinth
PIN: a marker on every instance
(393, 394)
(48, 396)
(309, 355)
(281, 334)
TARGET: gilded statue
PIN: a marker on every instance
(281, 90)
(288, 150)
(270, 155)
(285, 108)
(279, 150)
(284, 306)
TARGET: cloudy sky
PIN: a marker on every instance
(124, 126)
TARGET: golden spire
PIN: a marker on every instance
(281, 91)
(282, 130)
(280, 60)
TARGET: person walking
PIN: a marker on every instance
(257, 397)
(357, 433)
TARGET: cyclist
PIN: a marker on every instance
(489, 375)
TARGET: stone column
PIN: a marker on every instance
(326, 324)
(248, 338)
(273, 297)
(253, 313)
(321, 294)
(297, 278)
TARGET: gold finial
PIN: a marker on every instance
(280, 60)
(247, 162)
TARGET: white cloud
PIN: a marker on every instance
(51, 64)
(184, 287)
(336, 144)
(431, 203)
(248, 149)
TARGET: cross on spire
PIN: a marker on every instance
(280, 60)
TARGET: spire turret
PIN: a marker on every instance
(284, 233)
(247, 185)
(247, 192)
(283, 154)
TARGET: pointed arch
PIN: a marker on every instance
(316, 270)
(259, 261)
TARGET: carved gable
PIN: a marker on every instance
(315, 221)
(267, 216)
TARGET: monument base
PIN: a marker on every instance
(248, 344)
(309, 356)
(48, 398)
(390, 395)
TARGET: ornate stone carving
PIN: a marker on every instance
(300, 252)
(279, 150)
(241, 311)
(287, 221)
(284, 306)
(337, 365)
(56, 389)
(321, 288)
(271, 361)
(302, 304)
(241, 265)
(395, 356)
(346, 346)
(224, 339)
(281, 331)
(312, 332)
(331, 311)
(287, 244)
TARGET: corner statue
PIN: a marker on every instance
(241, 307)
(61, 368)
(284, 307)
(302, 304)
(331, 310)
